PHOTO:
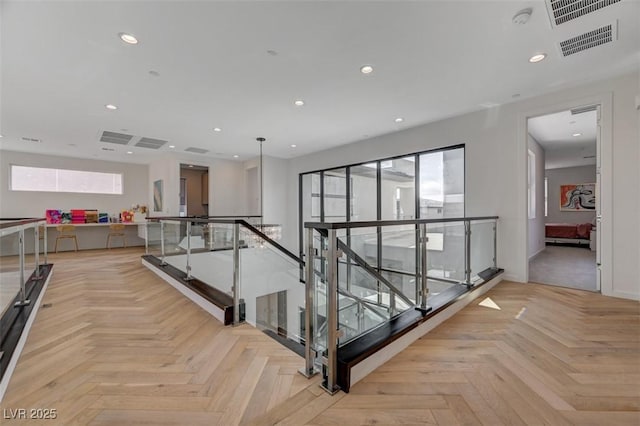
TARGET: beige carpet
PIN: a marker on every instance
(573, 267)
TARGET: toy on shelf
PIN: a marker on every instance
(126, 216)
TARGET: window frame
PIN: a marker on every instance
(12, 180)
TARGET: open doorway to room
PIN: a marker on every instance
(563, 191)
(194, 190)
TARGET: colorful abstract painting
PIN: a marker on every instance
(578, 197)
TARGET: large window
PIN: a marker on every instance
(60, 180)
(423, 185)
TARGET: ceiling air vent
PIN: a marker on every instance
(197, 150)
(26, 139)
(561, 11)
(113, 137)
(150, 143)
(588, 40)
(581, 110)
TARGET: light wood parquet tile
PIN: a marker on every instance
(119, 346)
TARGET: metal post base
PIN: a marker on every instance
(22, 303)
(308, 373)
(187, 279)
(333, 391)
(424, 310)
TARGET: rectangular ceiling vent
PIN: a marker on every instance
(584, 109)
(588, 40)
(197, 150)
(113, 137)
(26, 139)
(150, 143)
(562, 11)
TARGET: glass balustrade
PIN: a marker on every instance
(358, 276)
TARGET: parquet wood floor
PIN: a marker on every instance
(118, 346)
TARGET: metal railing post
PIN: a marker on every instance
(495, 244)
(332, 313)
(146, 237)
(45, 244)
(309, 309)
(424, 285)
(23, 288)
(236, 273)
(188, 277)
(36, 250)
(467, 252)
(162, 262)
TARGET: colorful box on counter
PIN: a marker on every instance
(53, 216)
(91, 216)
(78, 216)
(103, 217)
(65, 217)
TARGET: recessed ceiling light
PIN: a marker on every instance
(236, 156)
(111, 107)
(129, 152)
(366, 69)
(399, 120)
(172, 146)
(0, 136)
(299, 102)
(577, 134)
(128, 38)
(537, 58)
(293, 145)
(217, 129)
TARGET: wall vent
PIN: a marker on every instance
(561, 11)
(581, 110)
(197, 150)
(26, 139)
(588, 40)
(107, 149)
(117, 138)
(150, 143)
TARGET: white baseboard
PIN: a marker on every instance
(212, 309)
(363, 368)
(23, 339)
(537, 253)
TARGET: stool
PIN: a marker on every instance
(116, 230)
(66, 231)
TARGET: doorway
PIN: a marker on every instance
(563, 197)
(194, 190)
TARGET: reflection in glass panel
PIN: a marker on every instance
(364, 192)
(335, 195)
(398, 188)
(442, 184)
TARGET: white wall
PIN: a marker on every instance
(496, 172)
(34, 204)
(275, 193)
(563, 176)
(536, 226)
(226, 185)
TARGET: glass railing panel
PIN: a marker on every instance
(364, 242)
(319, 290)
(9, 268)
(29, 250)
(356, 317)
(270, 287)
(174, 240)
(154, 246)
(446, 251)
(482, 247)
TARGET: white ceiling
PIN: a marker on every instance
(63, 61)
(554, 132)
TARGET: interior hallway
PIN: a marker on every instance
(119, 346)
(565, 266)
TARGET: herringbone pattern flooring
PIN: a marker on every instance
(118, 346)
